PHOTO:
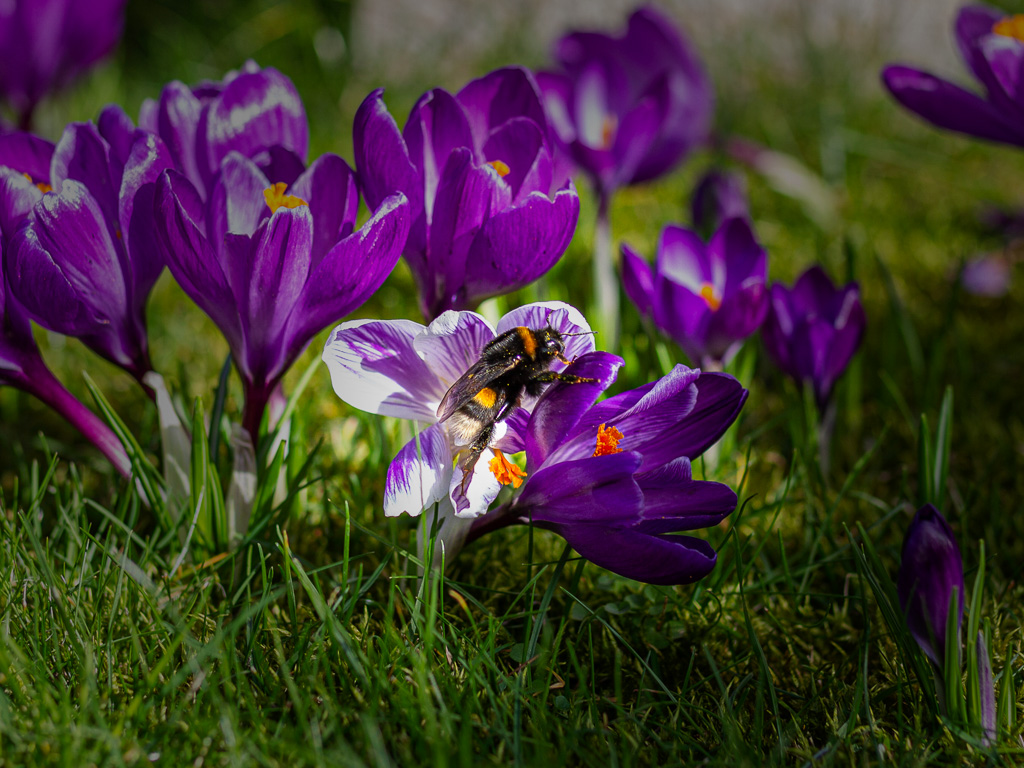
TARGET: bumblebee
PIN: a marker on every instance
(515, 362)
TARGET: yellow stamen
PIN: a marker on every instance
(609, 126)
(40, 185)
(707, 292)
(504, 471)
(502, 168)
(607, 441)
(276, 197)
(1011, 26)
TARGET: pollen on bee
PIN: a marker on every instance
(486, 397)
(707, 292)
(607, 441)
(1011, 26)
(276, 197)
(504, 471)
(502, 168)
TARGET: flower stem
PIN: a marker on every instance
(256, 398)
(40, 382)
(606, 284)
(495, 520)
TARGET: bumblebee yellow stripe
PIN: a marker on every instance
(486, 397)
(529, 341)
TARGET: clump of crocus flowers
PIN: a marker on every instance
(613, 477)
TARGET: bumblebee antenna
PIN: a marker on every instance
(581, 333)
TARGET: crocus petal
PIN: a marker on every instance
(973, 25)
(237, 204)
(520, 144)
(500, 96)
(437, 126)
(375, 368)
(635, 555)
(419, 475)
(683, 258)
(83, 155)
(352, 270)
(147, 159)
(949, 106)
(562, 405)
(382, 158)
(521, 243)
(452, 343)
(176, 118)
(118, 130)
(637, 280)
(735, 245)
(17, 197)
(255, 111)
(674, 501)
(27, 153)
(594, 489)
(329, 187)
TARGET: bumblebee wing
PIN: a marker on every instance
(481, 374)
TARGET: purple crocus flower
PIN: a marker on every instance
(86, 259)
(813, 330)
(400, 368)
(24, 173)
(628, 109)
(614, 479)
(930, 569)
(992, 45)
(46, 43)
(718, 196)
(254, 111)
(489, 212)
(273, 264)
(708, 298)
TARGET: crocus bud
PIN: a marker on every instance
(930, 570)
(719, 195)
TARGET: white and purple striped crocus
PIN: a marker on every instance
(612, 478)
(709, 297)
(86, 259)
(24, 179)
(813, 330)
(272, 263)
(490, 211)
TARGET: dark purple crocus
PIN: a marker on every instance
(628, 109)
(992, 46)
(46, 43)
(707, 298)
(273, 264)
(718, 196)
(86, 259)
(24, 173)
(813, 330)
(614, 479)
(490, 214)
(930, 569)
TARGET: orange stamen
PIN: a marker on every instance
(502, 168)
(609, 126)
(1011, 26)
(504, 471)
(707, 292)
(40, 185)
(276, 197)
(607, 441)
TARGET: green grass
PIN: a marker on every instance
(319, 645)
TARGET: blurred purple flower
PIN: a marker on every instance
(930, 569)
(813, 330)
(24, 173)
(86, 259)
(614, 479)
(256, 112)
(707, 298)
(988, 275)
(272, 265)
(46, 43)
(719, 195)
(628, 109)
(992, 45)
(400, 368)
(489, 212)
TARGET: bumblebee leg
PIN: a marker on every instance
(536, 385)
(473, 454)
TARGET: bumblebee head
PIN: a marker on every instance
(551, 343)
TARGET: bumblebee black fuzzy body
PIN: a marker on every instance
(515, 362)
